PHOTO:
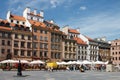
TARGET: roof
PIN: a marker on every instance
(73, 31)
(5, 25)
(90, 39)
(37, 23)
(32, 13)
(19, 18)
(51, 23)
(5, 28)
(79, 41)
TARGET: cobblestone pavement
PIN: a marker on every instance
(60, 75)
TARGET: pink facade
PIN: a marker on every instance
(115, 51)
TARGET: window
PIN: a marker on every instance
(22, 44)
(22, 52)
(58, 55)
(41, 38)
(35, 30)
(55, 55)
(31, 18)
(45, 54)
(35, 37)
(15, 52)
(11, 21)
(112, 48)
(28, 53)
(41, 31)
(113, 58)
(46, 39)
(15, 43)
(34, 54)
(41, 45)
(3, 42)
(34, 45)
(17, 21)
(3, 51)
(16, 36)
(8, 51)
(113, 53)
(52, 55)
(45, 32)
(65, 55)
(22, 36)
(8, 43)
(46, 46)
(23, 22)
(65, 48)
(29, 37)
(28, 45)
(9, 35)
(41, 54)
(3, 34)
(37, 19)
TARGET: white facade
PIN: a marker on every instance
(92, 49)
(65, 29)
(33, 15)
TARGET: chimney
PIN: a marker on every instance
(51, 21)
(103, 38)
(78, 29)
(65, 29)
(42, 13)
(35, 11)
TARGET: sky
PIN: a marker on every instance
(94, 18)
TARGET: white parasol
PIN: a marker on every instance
(37, 62)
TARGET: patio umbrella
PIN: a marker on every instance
(79, 62)
(99, 62)
(61, 63)
(8, 61)
(37, 62)
(86, 62)
(23, 61)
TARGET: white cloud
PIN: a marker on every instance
(83, 7)
(106, 24)
(53, 3)
(17, 6)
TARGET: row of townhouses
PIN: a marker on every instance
(32, 37)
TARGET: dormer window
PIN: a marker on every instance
(17, 21)
(37, 19)
(23, 22)
(12, 21)
(31, 18)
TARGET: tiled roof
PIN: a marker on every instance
(49, 22)
(37, 23)
(15, 17)
(5, 28)
(89, 38)
(10, 24)
(32, 13)
(80, 41)
(73, 31)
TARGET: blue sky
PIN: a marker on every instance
(95, 18)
